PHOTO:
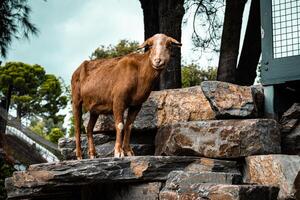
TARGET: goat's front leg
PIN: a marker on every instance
(132, 113)
(118, 110)
(90, 128)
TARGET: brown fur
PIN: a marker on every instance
(111, 86)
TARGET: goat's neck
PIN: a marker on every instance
(147, 76)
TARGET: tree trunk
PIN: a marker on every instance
(249, 58)
(165, 16)
(151, 20)
(230, 40)
(151, 23)
(170, 19)
(3, 123)
(4, 108)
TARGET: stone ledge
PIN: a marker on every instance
(60, 177)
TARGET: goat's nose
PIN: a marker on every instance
(157, 60)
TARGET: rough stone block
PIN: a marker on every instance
(231, 101)
(282, 171)
(204, 191)
(177, 178)
(290, 129)
(219, 138)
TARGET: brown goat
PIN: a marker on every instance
(107, 86)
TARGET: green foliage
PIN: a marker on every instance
(51, 98)
(122, 48)
(19, 82)
(14, 23)
(31, 91)
(38, 126)
(47, 128)
(6, 171)
(55, 134)
(192, 75)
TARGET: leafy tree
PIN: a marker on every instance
(51, 98)
(14, 23)
(38, 126)
(55, 134)
(193, 75)
(46, 128)
(122, 48)
(31, 91)
(19, 83)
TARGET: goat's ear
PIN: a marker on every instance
(174, 42)
(147, 43)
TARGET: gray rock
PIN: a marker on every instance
(116, 191)
(233, 101)
(290, 143)
(70, 142)
(290, 130)
(178, 178)
(213, 165)
(219, 138)
(44, 178)
(282, 171)
(104, 145)
(205, 191)
(290, 118)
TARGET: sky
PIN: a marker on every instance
(70, 30)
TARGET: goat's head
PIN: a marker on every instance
(160, 49)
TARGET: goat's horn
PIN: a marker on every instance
(148, 42)
(175, 42)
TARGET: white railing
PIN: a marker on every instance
(31, 138)
(50, 157)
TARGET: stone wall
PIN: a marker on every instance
(210, 142)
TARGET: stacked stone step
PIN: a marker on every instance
(180, 127)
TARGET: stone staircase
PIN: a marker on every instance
(203, 142)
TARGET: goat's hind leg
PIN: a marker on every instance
(90, 128)
(77, 112)
(132, 113)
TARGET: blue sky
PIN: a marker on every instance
(70, 30)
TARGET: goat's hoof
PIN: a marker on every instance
(119, 153)
(92, 156)
(129, 152)
(79, 157)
